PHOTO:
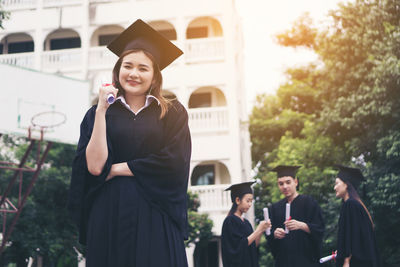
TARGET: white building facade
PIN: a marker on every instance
(68, 37)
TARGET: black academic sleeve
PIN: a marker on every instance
(316, 225)
(272, 242)
(82, 181)
(163, 175)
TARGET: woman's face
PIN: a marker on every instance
(245, 203)
(340, 188)
(136, 73)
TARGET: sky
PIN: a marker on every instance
(265, 60)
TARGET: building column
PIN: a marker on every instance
(85, 39)
(181, 36)
(38, 38)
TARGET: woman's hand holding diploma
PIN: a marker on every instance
(107, 95)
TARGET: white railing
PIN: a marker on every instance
(26, 60)
(204, 49)
(101, 57)
(18, 4)
(31, 4)
(103, 1)
(56, 3)
(65, 59)
(213, 197)
(208, 119)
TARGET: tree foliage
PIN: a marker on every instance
(344, 108)
(44, 227)
(200, 226)
(3, 16)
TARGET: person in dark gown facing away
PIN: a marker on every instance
(238, 241)
(356, 244)
(129, 180)
(301, 246)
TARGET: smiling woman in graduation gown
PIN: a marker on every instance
(356, 244)
(138, 220)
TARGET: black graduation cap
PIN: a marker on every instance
(238, 190)
(351, 175)
(284, 170)
(140, 35)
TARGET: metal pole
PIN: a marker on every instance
(28, 191)
(21, 164)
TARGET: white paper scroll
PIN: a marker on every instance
(110, 97)
(287, 216)
(327, 258)
(266, 218)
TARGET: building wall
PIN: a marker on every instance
(212, 64)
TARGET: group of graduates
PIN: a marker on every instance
(296, 226)
(128, 191)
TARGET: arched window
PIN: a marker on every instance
(62, 39)
(165, 28)
(209, 173)
(203, 27)
(16, 43)
(105, 34)
(207, 97)
(203, 175)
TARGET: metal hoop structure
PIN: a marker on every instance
(45, 121)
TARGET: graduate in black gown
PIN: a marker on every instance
(238, 241)
(301, 246)
(356, 245)
(129, 181)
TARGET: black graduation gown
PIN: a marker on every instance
(139, 220)
(298, 248)
(234, 243)
(356, 236)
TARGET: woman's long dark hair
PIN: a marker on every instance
(154, 90)
(233, 209)
(354, 195)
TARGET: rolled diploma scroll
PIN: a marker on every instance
(266, 218)
(327, 258)
(287, 217)
(110, 97)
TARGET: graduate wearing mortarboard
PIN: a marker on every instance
(356, 245)
(238, 241)
(301, 246)
(130, 174)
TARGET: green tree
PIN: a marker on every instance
(44, 227)
(348, 102)
(364, 80)
(200, 226)
(3, 15)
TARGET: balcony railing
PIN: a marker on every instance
(26, 60)
(208, 119)
(212, 197)
(56, 3)
(198, 50)
(204, 49)
(65, 59)
(18, 4)
(100, 57)
(31, 4)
